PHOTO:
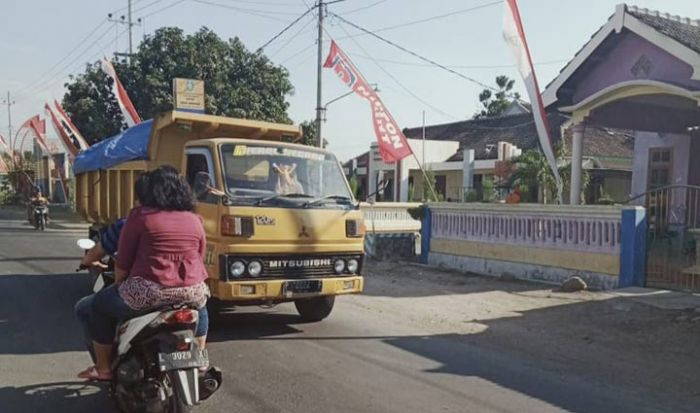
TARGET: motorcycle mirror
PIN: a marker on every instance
(85, 243)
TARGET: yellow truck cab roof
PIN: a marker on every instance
(172, 131)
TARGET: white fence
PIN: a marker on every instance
(390, 217)
(586, 229)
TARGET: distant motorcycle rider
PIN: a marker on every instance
(37, 199)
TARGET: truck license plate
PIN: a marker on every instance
(183, 360)
(302, 287)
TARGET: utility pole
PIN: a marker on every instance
(319, 97)
(9, 102)
(127, 20)
(131, 46)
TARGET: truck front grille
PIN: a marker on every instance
(290, 266)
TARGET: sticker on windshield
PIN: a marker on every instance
(242, 150)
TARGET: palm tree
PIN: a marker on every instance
(533, 171)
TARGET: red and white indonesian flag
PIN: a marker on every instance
(37, 126)
(69, 127)
(393, 145)
(70, 141)
(514, 35)
(128, 110)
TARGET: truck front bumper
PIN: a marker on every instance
(271, 290)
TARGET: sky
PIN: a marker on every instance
(41, 45)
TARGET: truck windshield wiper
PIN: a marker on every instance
(276, 196)
(326, 198)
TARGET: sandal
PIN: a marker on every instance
(91, 373)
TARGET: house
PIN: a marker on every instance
(641, 72)
(479, 146)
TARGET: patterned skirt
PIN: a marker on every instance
(140, 294)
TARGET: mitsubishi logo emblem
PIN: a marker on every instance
(303, 232)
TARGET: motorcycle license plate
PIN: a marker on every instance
(302, 287)
(183, 360)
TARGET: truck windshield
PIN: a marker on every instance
(283, 176)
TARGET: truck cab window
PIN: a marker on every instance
(200, 160)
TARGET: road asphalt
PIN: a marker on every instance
(368, 356)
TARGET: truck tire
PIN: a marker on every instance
(315, 309)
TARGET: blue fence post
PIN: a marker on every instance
(425, 235)
(633, 247)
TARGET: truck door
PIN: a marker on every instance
(201, 160)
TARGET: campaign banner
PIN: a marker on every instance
(393, 145)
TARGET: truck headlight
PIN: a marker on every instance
(254, 268)
(353, 265)
(339, 266)
(237, 268)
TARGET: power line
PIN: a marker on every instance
(253, 12)
(154, 2)
(425, 59)
(401, 85)
(376, 3)
(428, 19)
(135, 2)
(289, 26)
(64, 58)
(265, 3)
(162, 9)
(405, 63)
(294, 36)
(49, 81)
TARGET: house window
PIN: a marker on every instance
(660, 167)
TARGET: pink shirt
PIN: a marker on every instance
(166, 247)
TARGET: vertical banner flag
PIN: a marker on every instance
(69, 127)
(38, 127)
(393, 145)
(514, 35)
(4, 144)
(128, 110)
(70, 143)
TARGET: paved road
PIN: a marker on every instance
(361, 359)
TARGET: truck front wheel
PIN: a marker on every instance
(315, 309)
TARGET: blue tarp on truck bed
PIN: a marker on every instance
(130, 145)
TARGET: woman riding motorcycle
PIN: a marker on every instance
(160, 262)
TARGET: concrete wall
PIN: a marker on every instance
(603, 245)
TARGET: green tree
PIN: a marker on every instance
(238, 82)
(310, 131)
(533, 171)
(496, 103)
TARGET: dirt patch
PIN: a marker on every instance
(598, 336)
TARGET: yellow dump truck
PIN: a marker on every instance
(281, 221)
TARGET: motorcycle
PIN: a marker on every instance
(157, 363)
(41, 216)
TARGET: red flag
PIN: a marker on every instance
(514, 35)
(128, 110)
(38, 128)
(393, 145)
(69, 143)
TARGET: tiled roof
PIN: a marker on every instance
(611, 148)
(483, 135)
(681, 29)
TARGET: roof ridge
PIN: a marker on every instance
(479, 120)
(663, 15)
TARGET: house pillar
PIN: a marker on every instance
(468, 174)
(576, 163)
